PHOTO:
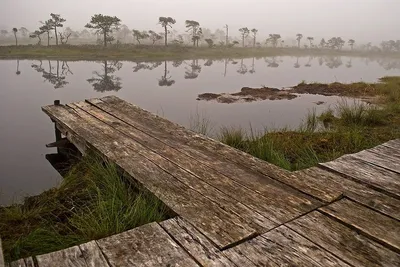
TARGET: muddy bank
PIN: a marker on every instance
(248, 94)
(360, 90)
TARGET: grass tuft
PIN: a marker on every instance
(93, 201)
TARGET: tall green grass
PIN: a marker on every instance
(346, 128)
(93, 201)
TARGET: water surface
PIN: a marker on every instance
(167, 88)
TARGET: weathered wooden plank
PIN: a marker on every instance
(70, 257)
(1, 255)
(393, 144)
(343, 242)
(284, 247)
(218, 155)
(375, 225)
(29, 262)
(384, 161)
(386, 151)
(328, 186)
(18, 263)
(147, 245)
(238, 258)
(93, 255)
(190, 174)
(364, 172)
(195, 243)
(222, 227)
(278, 211)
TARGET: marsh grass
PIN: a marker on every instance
(347, 128)
(93, 201)
(201, 123)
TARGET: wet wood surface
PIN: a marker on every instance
(195, 243)
(377, 226)
(284, 247)
(329, 186)
(234, 209)
(148, 245)
(70, 257)
(344, 242)
(359, 170)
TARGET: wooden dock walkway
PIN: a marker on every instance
(233, 209)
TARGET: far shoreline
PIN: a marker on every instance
(129, 52)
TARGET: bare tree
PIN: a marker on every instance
(24, 31)
(104, 25)
(166, 22)
(254, 31)
(227, 34)
(194, 27)
(154, 37)
(140, 35)
(299, 36)
(15, 30)
(46, 28)
(310, 39)
(244, 32)
(57, 21)
(351, 43)
(36, 34)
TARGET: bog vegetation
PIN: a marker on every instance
(93, 201)
(343, 129)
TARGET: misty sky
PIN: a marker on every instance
(362, 20)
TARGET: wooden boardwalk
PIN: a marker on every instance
(233, 209)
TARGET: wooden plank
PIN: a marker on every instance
(386, 151)
(147, 245)
(29, 262)
(356, 169)
(393, 144)
(222, 227)
(195, 243)
(70, 257)
(248, 217)
(328, 186)
(384, 161)
(381, 228)
(218, 155)
(238, 258)
(284, 247)
(191, 174)
(1, 255)
(18, 263)
(93, 255)
(266, 204)
(343, 242)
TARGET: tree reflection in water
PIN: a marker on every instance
(57, 78)
(271, 62)
(165, 81)
(309, 62)
(18, 72)
(194, 70)
(296, 65)
(252, 70)
(106, 81)
(242, 68)
(208, 63)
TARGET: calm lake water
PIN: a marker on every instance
(167, 88)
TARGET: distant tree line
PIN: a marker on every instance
(103, 27)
